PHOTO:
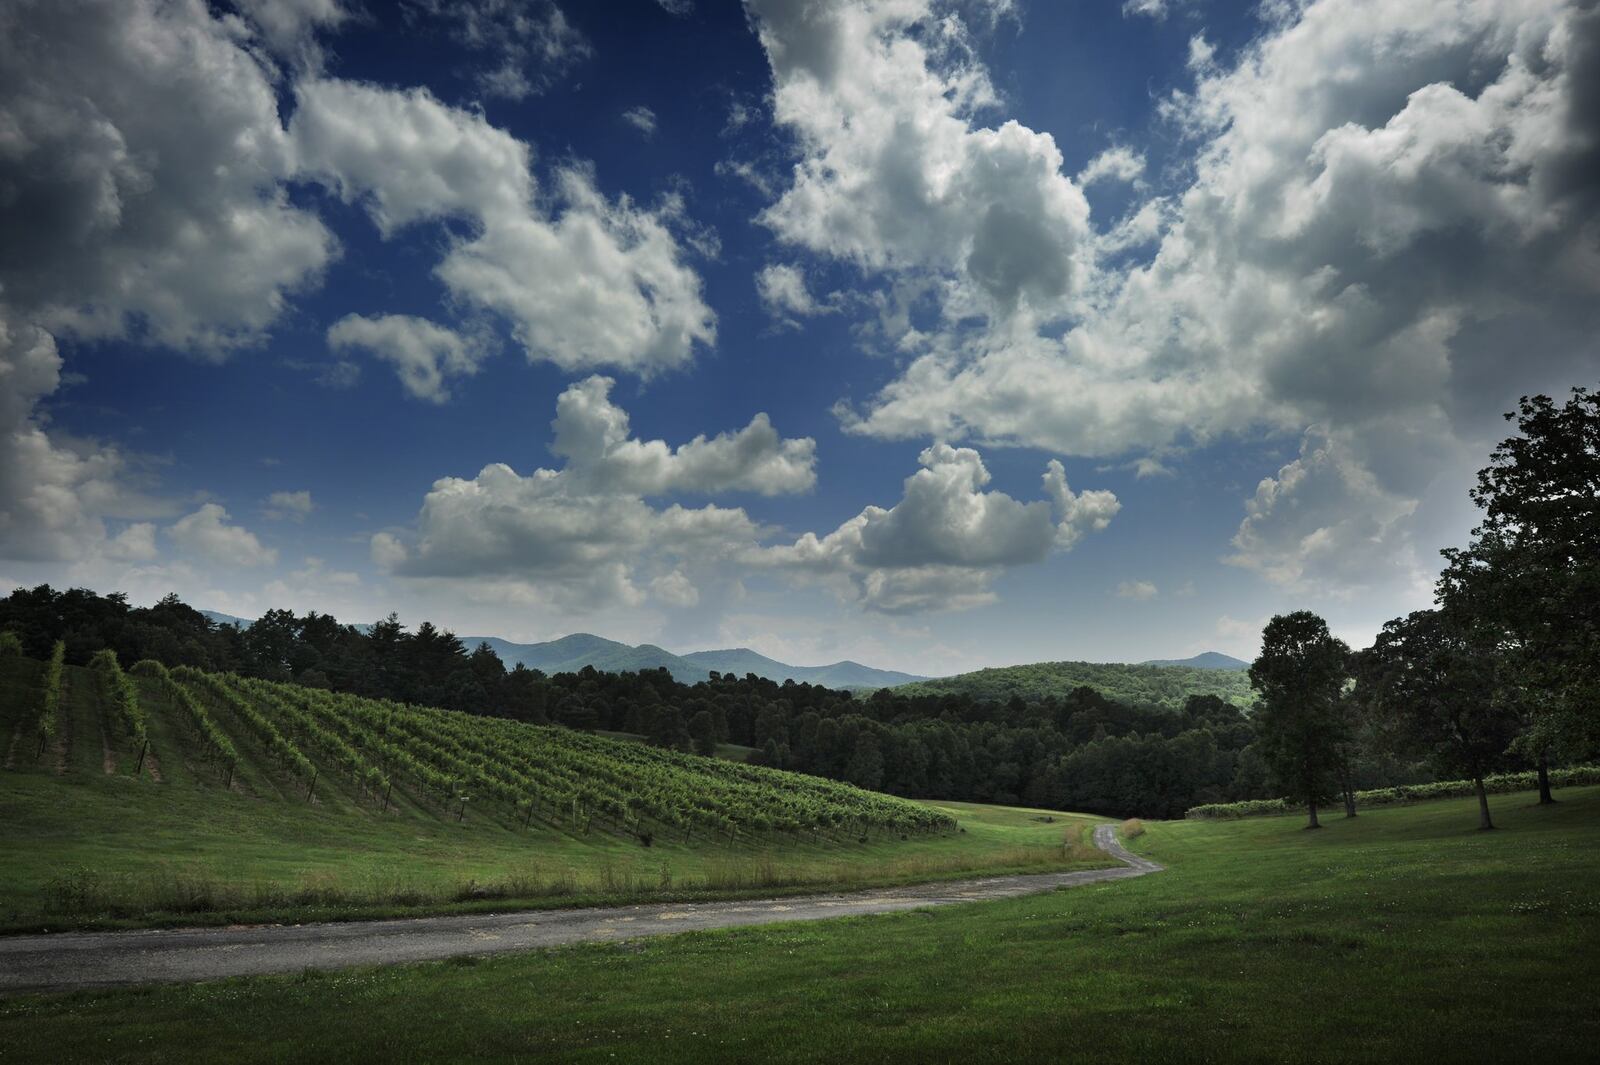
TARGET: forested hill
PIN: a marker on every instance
(1142, 685)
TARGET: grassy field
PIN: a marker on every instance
(1401, 935)
(110, 853)
(86, 844)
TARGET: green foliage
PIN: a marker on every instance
(10, 644)
(1164, 686)
(1302, 720)
(1497, 784)
(122, 693)
(209, 687)
(50, 705)
(1227, 811)
(289, 710)
(576, 781)
(1438, 686)
(1154, 775)
(216, 739)
(1532, 570)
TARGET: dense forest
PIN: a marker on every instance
(1078, 751)
(1148, 685)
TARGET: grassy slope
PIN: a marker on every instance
(1403, 935)
(1153, 685)
(115, 853)
(86, 849)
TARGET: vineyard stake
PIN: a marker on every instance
(314, 771)
(140, 767)
(386, 796)
(526, 821)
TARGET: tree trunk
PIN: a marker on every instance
(1349, 801)
(1311, 805)
(1483, 805)
(1545, 798)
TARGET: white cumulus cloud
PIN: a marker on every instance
(584, 535)
(785, 294)
(1390, 220)
(642, 119)
(424, 354)
(55, 494)
(584, 281)
(289, 506)
(116, 214)
(944, 542)
(208, 534)
(593, 435)
(896, 171)
(1119, 163)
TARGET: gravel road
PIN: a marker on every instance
(67, 960)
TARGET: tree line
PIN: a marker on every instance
(1080, 751)
(1503, 671)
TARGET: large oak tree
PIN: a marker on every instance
(1532, 570)
(1441, 688)
(1302, 717)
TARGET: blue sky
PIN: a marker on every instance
(931, 334)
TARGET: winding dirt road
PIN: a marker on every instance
(68, 960)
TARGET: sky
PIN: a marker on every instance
(934, 334)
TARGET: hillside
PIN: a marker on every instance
(283, 742)
(1148, 685)
(258, 802)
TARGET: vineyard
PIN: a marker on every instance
(295, 744)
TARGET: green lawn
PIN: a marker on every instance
(1403, 935)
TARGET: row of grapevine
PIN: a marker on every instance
(221, 746)
(276, 702)
(119, 690)
(570, 779)
(50, 708)
(209, 687)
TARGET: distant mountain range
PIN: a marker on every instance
(571, 653)
(1205, 660)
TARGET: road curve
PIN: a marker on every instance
(70, 960)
